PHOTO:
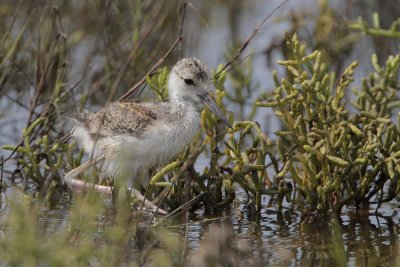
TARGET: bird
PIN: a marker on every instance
(129, 139)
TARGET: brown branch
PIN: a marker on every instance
(184, 206)
(239, 51)
(161, 60)
(12, 24)
(133, 53)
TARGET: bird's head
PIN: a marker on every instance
(189, 82)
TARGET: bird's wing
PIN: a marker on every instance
(119, 118)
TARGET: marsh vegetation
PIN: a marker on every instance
(309, 174)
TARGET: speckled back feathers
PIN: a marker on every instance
(118, 118)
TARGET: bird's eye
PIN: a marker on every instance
(188, 81)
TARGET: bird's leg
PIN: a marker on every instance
(119, 196)
(76, 184)
(114, 196)
(79, 185)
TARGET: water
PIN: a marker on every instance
(358, 238)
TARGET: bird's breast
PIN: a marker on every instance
(167, 139)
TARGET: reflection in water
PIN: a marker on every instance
(278, 238)
(357, 242)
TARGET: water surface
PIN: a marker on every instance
(276, 238)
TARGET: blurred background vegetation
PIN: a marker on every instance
(314, 153)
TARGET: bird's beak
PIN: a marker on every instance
(209, 101)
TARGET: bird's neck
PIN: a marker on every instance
(181, 104)
(187, 122)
